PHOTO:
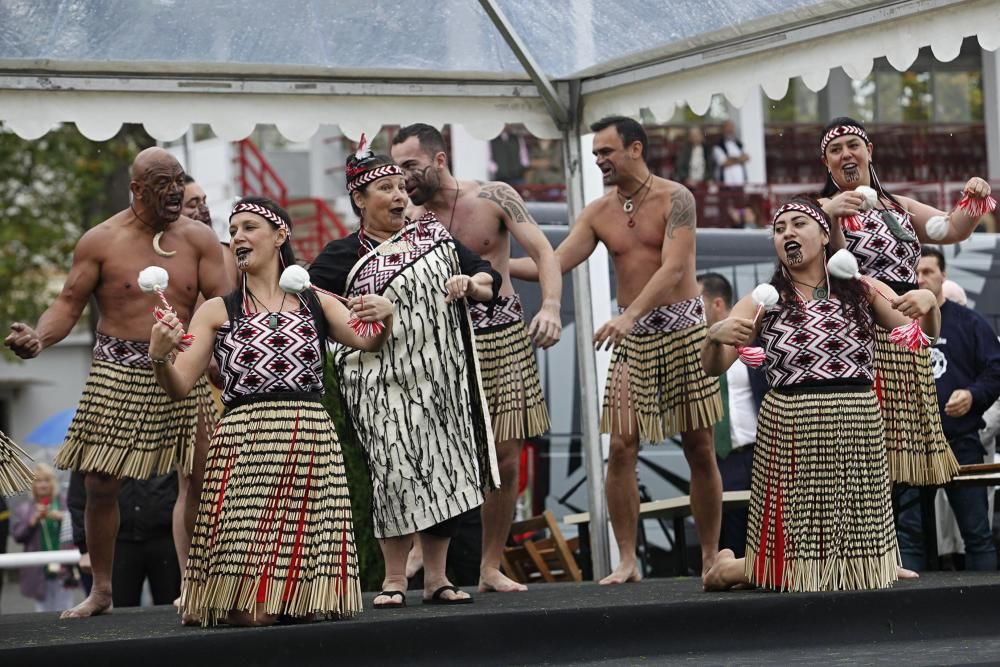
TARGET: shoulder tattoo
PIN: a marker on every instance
(682, 212)
(507, 199)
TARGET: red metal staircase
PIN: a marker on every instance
(314, 224)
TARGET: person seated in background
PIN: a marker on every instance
(743, 389)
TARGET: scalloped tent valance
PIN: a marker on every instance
(103, 63)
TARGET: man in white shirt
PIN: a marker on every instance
(730, 158)
(743, 389)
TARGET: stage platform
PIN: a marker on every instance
(944, 618)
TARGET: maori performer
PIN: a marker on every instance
(416, 403)
(273, 534)
(15, 476)
(884, 232)
(820, 506)
(125, 426)
(656, 386)
(484, 217)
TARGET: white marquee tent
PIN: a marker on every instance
(553, 65)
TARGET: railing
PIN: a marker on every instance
(15, 561)
(256, 176)
(314, 230)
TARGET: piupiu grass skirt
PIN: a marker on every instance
(658, 378)
(511, 383)
(274, 522)
(918, 451)
(820, 506)
(127, 426)
(15, 476)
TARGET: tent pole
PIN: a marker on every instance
(589, 391)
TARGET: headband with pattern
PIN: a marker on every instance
(359, 175)
(263, 212)
(840, 131)
(801, 208)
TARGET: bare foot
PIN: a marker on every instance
(94, 604)
(903, 573)
(492, 580)
(177, 602)
(414, 560)
(624, 573)
(726, 573)
(190, 619)
(707, 561)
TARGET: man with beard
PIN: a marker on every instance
(656, 386)
(196, 208)
(483, 217)
(125, 425)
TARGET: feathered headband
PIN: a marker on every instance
(263, 212)
(361, 171)
(840, 131)
(801, 208)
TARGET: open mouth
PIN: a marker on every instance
(242, 253)
(397, 211)
(792, 247)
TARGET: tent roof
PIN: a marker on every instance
(168, 63)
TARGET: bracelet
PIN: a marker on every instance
(158, 362)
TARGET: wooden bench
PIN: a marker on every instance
(676, 509)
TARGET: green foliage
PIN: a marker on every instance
(370, 565)
(52, 190)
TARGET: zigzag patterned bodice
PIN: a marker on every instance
(816, 343)
(880, 254)
(256, 359)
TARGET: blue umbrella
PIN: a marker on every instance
(52, 431)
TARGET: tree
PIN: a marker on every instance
(52, 190)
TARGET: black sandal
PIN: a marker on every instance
(436, 597)
(391, 605)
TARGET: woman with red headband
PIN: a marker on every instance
(417, 403)
(820, 510)
(884, 232)
(273, 534)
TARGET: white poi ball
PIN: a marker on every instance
(870, 195)
(294, 279)
(843, 265)
(937, 227)
(764, 295)
(153, 278)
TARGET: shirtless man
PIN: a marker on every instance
(125, 426)
(196, 207)
(656, 386)
(483, 217)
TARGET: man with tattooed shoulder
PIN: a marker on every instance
(483, 217)
(656, 386)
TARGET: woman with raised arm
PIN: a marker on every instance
(417, 403)
(884, 232)
(273, 535)
(820, 509)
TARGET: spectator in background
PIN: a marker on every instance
(966, 365)
(509, 157)
(144, 549)
(695, 163)
(37, 523)
(730, 159)
(743, 389)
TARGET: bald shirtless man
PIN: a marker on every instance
(656, 386)
(125, 425)
(483, 217)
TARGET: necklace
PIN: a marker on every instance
(627, 204)
(156, 237)
(273, 319)
(820, 291)
(454, 205)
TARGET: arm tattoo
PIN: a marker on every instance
(507, 199)
(682, 212)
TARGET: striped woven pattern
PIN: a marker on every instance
(820, 505)
(511, 383)
(880, 254)
(840, 131)
(15, 476)
(263, 212)
(373, 175)
(656, 381)
(274, 524)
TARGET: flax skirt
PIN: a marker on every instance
(274, 523)
(127, 426)
(657, 380)
(820, 507)
(919, 454)
(14, 475)
(511, 384)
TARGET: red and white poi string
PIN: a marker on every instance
(976, 207)
(154, 279)
(763, 296)
(295, 279)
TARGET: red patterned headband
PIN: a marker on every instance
(801, 208)
(366, 177)
(840, 131)
(263, 212)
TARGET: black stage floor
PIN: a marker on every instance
(944, 618)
